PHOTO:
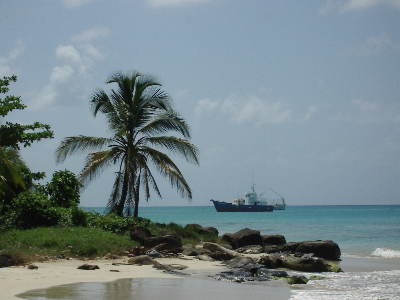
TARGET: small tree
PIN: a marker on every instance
(64, 189)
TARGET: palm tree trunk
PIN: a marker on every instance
(137, 190)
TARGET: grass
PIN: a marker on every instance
(26, 245)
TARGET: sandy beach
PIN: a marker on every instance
(17, 280)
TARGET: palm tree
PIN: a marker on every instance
(138, 113)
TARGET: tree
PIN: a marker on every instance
(63, 189)
(138, 112)
(15, 176)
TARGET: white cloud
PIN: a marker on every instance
(68, 53)
(253, 110)
(356, 5)
(366, 106)
(159, 3)
(47, 96)
(61, 73)
(91, 34)
(76, 3)
(7, 60)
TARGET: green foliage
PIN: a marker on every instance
(114, 223)
(69, 241)
(78, 217)
(137, 113)
(64, 189)
(32, 209)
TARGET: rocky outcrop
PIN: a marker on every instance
(166, 243)
(323, 249)
(141, 260)
(273, 239)
(88, 267)
(202, 230)
(271, 261)
(218, 252)
(306, 264)
(251, 249)
(139, 234)
(243, 238)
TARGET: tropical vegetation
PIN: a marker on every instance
(139, 114)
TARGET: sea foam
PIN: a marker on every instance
(385, 252)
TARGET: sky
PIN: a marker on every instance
(299, 96)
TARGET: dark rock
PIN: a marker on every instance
(251, 249)
(273, 249)
(240, 262)
(141, 260)
(139, 234)
(297, 280)
(191, 252)
(153, 253)
(218, 252)
(323, 249)
(114, 270)
(6, 261)
(275, 239)
(270, 261)
(88, 267)
(243, 238)
(202, 230)
(137, 251)
(305, 264)
(32, 267)
(168, 243)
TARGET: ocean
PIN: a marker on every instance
(369, 237)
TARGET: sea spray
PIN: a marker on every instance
(386, 252)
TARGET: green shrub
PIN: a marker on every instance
(32, 209)
(64, 189)
(78, 217)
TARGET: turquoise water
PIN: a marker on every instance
(359, 230)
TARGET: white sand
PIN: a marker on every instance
(16, 280)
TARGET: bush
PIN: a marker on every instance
(78, 217)
(64, 189)
(32, 209)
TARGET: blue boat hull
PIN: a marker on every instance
(229, 207)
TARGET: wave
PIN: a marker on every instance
(386, 252)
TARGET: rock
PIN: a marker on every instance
(273, 248)
(297, 280)
(251, 249)
(305, 264)
(6, 261)
(137, 251)
(204, 257)
(218, 252)
(167, 243)
(191, 252)
(167, 248)
(270, 261)
(32, 267)
(242, 238)
(114, 270)
(88, 267)
(141, 260)
(202, 230)
(275, 239)
(153, 253)
(323, 249)
(139, 234)
(240, 262)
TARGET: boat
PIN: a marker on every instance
(253, 202)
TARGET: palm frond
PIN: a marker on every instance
(73, 144)
(164, 122)
(95, 163)
(176, 145)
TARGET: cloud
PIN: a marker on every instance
(355, 5)
(68, 53)
(75, 60)
(7, 60)
(160, 3)
(311, 110)
(365, 106)
(91, 34)
(76, 3)
(252, 110)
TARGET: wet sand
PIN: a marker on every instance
(168, 289)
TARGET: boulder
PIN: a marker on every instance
(297, 280)
(323, 249)
(141, 260)
(251, 249)
(273, 248)
(139, 234)
(88, 267)
(202, 230)
(6, 261)
(273, 239)
(240, 262)
(305, 264)
(167, 243)
(166, 248)
(243, 238)
(204, 257)
(32, 267)
(218, 252)
(270, 261)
